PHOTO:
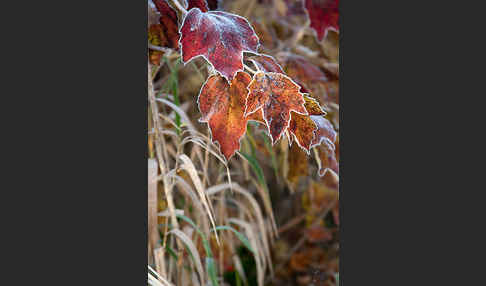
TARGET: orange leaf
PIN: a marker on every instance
(222, 106)
(306, 128)
(277, 95)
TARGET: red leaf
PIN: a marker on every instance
(277, 95)
(266, 63)
(323, 15)
(168, 21)
(220, 37)
(222, 106)
(201, 4)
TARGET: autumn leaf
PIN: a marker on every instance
(222, 106)
(328, 159)
(219, 37)
(266, 63)
(305, 128)
(168, 22)
(310, 77)
(323, 15)
(325, 131)
(303, 71)
(257, 116)
(277, 95)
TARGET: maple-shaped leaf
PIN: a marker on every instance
(257, 116)
(277, 95)
(323, 15)
(306, 129)
(266, 63)
(222, 106)
(219, 37)
(168, 22)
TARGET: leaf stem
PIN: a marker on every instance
(249, 69)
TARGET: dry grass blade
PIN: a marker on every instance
(189, 167)
(192, 248)
(166, 213)
(258, 213)
(184, 187)
(153, 280)
(179, 111)
(153, 232)
(160, 261)
(161, 152)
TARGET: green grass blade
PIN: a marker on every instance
(211, 269)
(238, 234)
(256, 168)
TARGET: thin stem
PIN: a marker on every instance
(161, 49)
(249, 69)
